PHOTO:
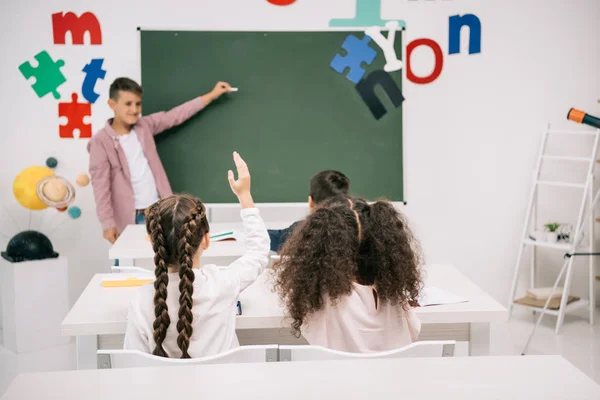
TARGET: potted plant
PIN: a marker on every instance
(552, 234)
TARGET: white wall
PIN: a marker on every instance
(470, 137)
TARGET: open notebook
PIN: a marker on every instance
(431, 296)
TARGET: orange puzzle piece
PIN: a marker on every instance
(75, 113)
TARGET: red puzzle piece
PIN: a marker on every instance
(75, 112)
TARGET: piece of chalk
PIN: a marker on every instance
(234, 89)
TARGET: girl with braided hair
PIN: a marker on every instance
(348, 276)
(190, 311)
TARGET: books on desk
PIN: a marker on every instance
(224, 236)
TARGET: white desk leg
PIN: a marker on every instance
(479, 339)
(87, 346)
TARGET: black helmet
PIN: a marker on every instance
(28, 246)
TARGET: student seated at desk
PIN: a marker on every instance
(323, 186)
(347, 276)
(190, 311)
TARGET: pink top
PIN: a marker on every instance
(109, 170)
(358, 323)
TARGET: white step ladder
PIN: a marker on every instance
(575, 244)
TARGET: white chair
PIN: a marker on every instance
(416, 349)
(108, 359)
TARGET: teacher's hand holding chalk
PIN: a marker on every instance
(219, 89)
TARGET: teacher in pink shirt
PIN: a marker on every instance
(126, 172)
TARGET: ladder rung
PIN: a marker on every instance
(562, 184)
(568, 158)
(592, 133)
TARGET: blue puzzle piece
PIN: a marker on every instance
(357, 52)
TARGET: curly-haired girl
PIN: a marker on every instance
(348, 275)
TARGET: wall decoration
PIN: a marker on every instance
(357, 52)
(439, 61)
(36, 188)
(74, 212)
(51, 162)
(456, 23)
(281, 2)
(368, 13)
(75, 113)
(93, 72)
(25, 186)
(366, 89)
(392, 63)
(48, 76)
(70, 22)
(55, 191)
(82, 180)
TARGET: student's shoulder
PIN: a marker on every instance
(144, 292)
(144, 124)
(222, 277)
(100, 138)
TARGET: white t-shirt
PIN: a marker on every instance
(216, 291)
(145, 192)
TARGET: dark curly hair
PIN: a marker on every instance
(176, 225)
(344, 241)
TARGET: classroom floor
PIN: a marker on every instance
(579, 343)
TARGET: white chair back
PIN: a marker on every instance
(133, 358)
(416, 349)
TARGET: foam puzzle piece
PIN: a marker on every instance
(93, 72)
(48, 76)
(75, 113)
(382, 79)
(367, 13)
(357, 52)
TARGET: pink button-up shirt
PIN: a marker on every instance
(111, 179)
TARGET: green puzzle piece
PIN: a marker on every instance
(47, 74)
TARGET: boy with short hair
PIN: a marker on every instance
(126, 172)
(323, 186)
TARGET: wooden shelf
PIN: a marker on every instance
(574, 306)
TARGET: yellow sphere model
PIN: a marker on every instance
(25, 186)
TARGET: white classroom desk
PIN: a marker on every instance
(98, 318)
(133, 244)
(465, 378)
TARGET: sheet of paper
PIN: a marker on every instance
(432, 295)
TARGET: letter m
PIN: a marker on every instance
(70, 22)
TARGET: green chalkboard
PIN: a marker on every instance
(292, 116)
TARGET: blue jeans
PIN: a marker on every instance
(140, 219)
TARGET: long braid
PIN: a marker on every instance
(186, 252)
(161, 311)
